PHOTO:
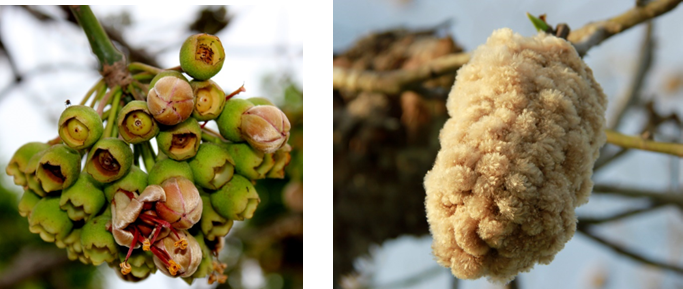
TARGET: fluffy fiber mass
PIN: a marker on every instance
(517, 154)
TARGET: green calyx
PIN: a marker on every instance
(230, 120)
(74, 248)
(134, 181)
(136, 123)
(28, 200)
(169, 168)
(212, 167)
(32, 181)
(212, 224)
(182, 141)
(80, 126)
(237, 200)
(108, 160)
(82, 200)
(202, 56)
(98, 243)
(250, 163)
(49, 221)
(58, 168)
(141, 263)
(281, 159)
(19, 161)
(209, 99)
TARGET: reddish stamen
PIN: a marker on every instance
(136, 236)
(204, 124)
(159, 221)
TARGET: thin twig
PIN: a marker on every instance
(602, 162)
(674, 198)
(635, 142)
(630, 254)
(595, 221)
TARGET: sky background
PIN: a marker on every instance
(657, 234)
(260, 41)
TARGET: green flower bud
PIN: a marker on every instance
(209, 99)
(183, 206)
(74, 248)
(136, 123)
(141, 263)
(265, 127)
(97, 241)
(259, 101)
(182, 141)
(281, 158)
(109, 159)
(28, 200)
(212, 224)
(20, 159)
(212, 167)
(169, 168)
(32, 181)
(230, 120)
(250, 163)
(83, 199)
(237, 200)
(49, 221)
(134, 181)
(58, 168)
(80, 126)
(170, 99)
(202, 56)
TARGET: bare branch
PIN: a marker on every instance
(619, 216)
(674, 198)
(636, 142)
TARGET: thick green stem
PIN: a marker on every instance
(99, 41)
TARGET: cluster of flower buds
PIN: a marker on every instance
(172, 216)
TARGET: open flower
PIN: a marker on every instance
(174, 260)
(109, 160)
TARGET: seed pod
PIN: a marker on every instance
(136, 123)
(58, 168)
(80, 126)
(49, 221)
(83, 199)
(212, 166)
(209, 99)
(183, 206)
(134, 182)
(170, 98)
(182, 141)
(250, 163)
(169, 168)
(516, 156)
(237, 200)
(97, 241)
(19, 161)
(281, 158)
(28, 200)
(265, 128)
(109, 160)
(202, 56)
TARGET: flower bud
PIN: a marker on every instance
(169, 168)
(212, 166)
(212, 224)
(97, 241)
(183, 206)
(230, 120)
(58, 168)
(250, 163)
(80, 126)
(32, 181)
(28, 200)
(49, 221)
(174, 261)
(17, 165)
(202, 56)
(281, 158)
(136, 123)
(108, 160)
(182, 141)
(209, 99)
(237, 200)
(170, 99)
(265, 127)
(135, 181)
(83, 199)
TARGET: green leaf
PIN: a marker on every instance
(538, 23)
